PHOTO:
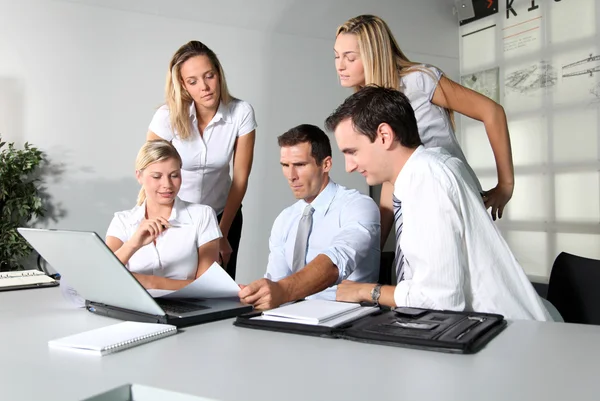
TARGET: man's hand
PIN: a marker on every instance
(263, 294)
(351, 291)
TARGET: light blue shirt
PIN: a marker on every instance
(346, 228)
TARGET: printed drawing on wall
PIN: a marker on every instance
(485, 82)
(586, 67)
(531, 79)
(596, 92)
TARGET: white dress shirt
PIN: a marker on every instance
(455, 257)
(346, 228)
(435, 127)
(175, 254)
(206, 158)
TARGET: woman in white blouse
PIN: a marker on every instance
(209, 128)
(366, 52)
(164, 241)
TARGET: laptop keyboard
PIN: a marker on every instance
(175, 307)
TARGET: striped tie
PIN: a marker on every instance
(399, 257)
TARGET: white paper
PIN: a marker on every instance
(159, 293)
(70, 294)
(214, 283)
(313, 311)
(145, 393)
(137, 392)
(345, 318)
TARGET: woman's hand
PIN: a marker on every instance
(147, 232)
(497, 198)
(147, 281)
(225, 251)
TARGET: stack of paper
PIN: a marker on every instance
(317, 312)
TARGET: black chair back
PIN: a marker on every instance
(574, 288)
(385, 268)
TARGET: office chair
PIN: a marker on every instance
(574, 288)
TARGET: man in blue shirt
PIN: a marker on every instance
(331, 234)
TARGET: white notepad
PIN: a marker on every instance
(117, 337)
(24, 277)
(314, 311)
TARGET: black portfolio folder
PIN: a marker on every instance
(435, 330)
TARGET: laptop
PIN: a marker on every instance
(108, 287)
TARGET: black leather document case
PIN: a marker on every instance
(445, 331)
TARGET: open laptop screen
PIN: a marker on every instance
(91, 268)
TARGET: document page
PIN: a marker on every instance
(214, 283)
(312, 311)
(350, 316)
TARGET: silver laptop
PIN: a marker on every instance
(108, 287)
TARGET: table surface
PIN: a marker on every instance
(527, 361)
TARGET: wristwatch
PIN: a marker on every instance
(375, 294)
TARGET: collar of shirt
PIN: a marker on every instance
(221, 114)
(404, 172)
(179, 214)
(322, 202)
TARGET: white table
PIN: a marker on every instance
(528, 361)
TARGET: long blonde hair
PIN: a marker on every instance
(384, 63)
(156, 150)
(177, 98)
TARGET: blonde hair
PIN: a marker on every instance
(382, 58)
(154, 151)
(384, 63)
(177, 97)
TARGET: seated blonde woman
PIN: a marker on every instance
(165, 242)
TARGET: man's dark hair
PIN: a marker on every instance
(307, 133)
(373, 105)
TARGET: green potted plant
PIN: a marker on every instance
(20, 200)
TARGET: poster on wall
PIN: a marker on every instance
(526, 83)
(578, 77)
(482, 9)
(478, 46)
(485, 82)
(522, 28)
(570, 21)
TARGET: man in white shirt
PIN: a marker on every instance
(329, 235)
(450, 255)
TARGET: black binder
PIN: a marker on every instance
(434, 330)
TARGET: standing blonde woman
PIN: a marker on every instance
(209, 128)
(164, 241)
(366, 53)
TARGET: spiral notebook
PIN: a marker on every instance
(110, 339)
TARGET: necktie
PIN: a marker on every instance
(301, 245)
(399, 257)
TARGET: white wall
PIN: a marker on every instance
(553, 120)
(81, 80)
